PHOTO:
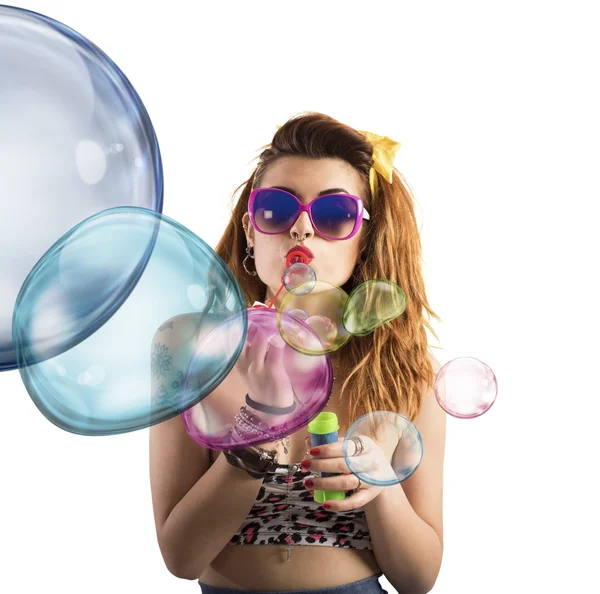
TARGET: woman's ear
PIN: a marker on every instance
(248, 229)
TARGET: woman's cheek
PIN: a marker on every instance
(268, 272)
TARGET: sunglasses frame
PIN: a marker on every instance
(361, 212)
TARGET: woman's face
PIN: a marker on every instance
(306, 178)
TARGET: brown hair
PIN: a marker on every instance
(383, 370)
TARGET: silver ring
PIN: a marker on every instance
(358, 445)
(359, 484)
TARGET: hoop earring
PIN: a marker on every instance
(250, 254)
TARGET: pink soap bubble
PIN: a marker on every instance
(268, 370)
(465, 387)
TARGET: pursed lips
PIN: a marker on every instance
(300, 248)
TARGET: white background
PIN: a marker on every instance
(496, 106)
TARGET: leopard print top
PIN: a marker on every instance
(302, 521)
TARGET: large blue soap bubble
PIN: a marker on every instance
(75, 139)
(87, 315)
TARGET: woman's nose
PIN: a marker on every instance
(302, 227)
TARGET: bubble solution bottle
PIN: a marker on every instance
(323, 429)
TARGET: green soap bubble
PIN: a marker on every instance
(371, 304)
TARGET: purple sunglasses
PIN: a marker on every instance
(333, 216)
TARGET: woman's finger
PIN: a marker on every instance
(343, 482)
(245, 356)
(274, 355)
(356, 501)
(336, 449)
(260, 347)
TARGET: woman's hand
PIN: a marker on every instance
(261, 361)
(261, 365)
(373, 463)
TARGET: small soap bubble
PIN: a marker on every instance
(299, 278)
(298, 313)
(465, 387)
(325, 329)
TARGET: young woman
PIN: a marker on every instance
(232, 530)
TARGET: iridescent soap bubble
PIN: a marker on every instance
(268, 370)
(91, 316)
(372, 304)
(299, 278)
(465, 387)
(324, 306)
(298, 313)
(75, 139)
(393, 448)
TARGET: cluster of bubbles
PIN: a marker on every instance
(118, 317)
(284, 366)
(333, 314)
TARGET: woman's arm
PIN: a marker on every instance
(197, 508)
(202, 523)
(405, 520)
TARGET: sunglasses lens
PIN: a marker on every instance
(335, 215)
(274, 210)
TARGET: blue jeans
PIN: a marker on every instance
(369, 585)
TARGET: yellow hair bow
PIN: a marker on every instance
(384, 153)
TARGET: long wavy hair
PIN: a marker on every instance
(383, 370)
